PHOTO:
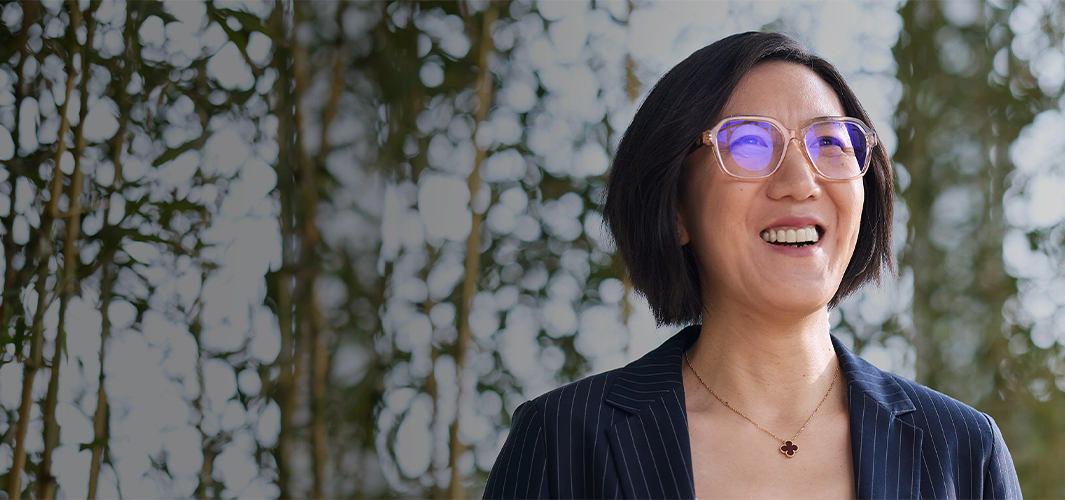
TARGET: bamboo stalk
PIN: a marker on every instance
(44, 251)
(11, 283)
(320, 358)
(632, 88)
(45, 480)
(301, 270)
(30, 367)
(325, 360)
(284, 381)
(199, 404)
(312, 324)
(473, 255)
(433, 390)
(301, 352)
(101, 424)
(319, 432)
(100, 419)
(286, 358)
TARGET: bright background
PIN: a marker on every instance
(268, 293)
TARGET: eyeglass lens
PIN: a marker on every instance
(752, 148)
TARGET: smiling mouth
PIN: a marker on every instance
(792, 237)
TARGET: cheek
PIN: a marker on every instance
(724, 213)
(852, 214)
(859, 204)
(848, 201)
(704, 196)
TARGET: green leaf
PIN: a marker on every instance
(156, 9)
(172, 153)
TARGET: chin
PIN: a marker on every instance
(797, 302)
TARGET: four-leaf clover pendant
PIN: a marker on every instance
(788, 449)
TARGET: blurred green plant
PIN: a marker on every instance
(971, 83)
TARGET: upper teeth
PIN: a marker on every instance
(802, 235)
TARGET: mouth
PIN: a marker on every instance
(795, 237)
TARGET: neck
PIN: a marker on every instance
(775, 368)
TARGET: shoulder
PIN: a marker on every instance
(931, 411)
(545, 433)
(568, 402)
(624, 389)
(949, 424)
(957, 435)
(937, 412)
(960, 446)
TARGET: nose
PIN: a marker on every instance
(796, 177)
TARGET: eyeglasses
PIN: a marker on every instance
(753, 147)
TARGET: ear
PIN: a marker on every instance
(682, 228)
(680, 201)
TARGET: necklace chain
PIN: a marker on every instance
(787, 443)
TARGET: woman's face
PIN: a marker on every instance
(724, 218)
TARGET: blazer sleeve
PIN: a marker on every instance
(520, 470)
(1000, 477)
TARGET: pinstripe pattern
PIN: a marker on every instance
(624, 434)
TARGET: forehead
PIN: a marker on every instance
(789, 92)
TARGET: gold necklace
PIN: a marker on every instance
(787, 446)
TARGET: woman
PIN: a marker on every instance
(750, 194)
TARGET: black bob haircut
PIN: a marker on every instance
(644, 182)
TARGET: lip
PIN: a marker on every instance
(796, 221)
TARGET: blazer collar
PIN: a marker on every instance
(885, 445)
(654, 375)
(659, 372)
(650, 444)
(872, 382)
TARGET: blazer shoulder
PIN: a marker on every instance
(930, 411)
(938, 412)
(545, 432)
(963, 435)
(588, 391)
(627, 387)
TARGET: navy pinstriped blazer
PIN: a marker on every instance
(624, 434)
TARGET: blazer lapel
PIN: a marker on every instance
(652, 453)
(886, 448)
(650, 446)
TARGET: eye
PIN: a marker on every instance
(748, 140)
(828, 137)
(828, 141)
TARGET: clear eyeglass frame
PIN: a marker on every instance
(709, 138)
